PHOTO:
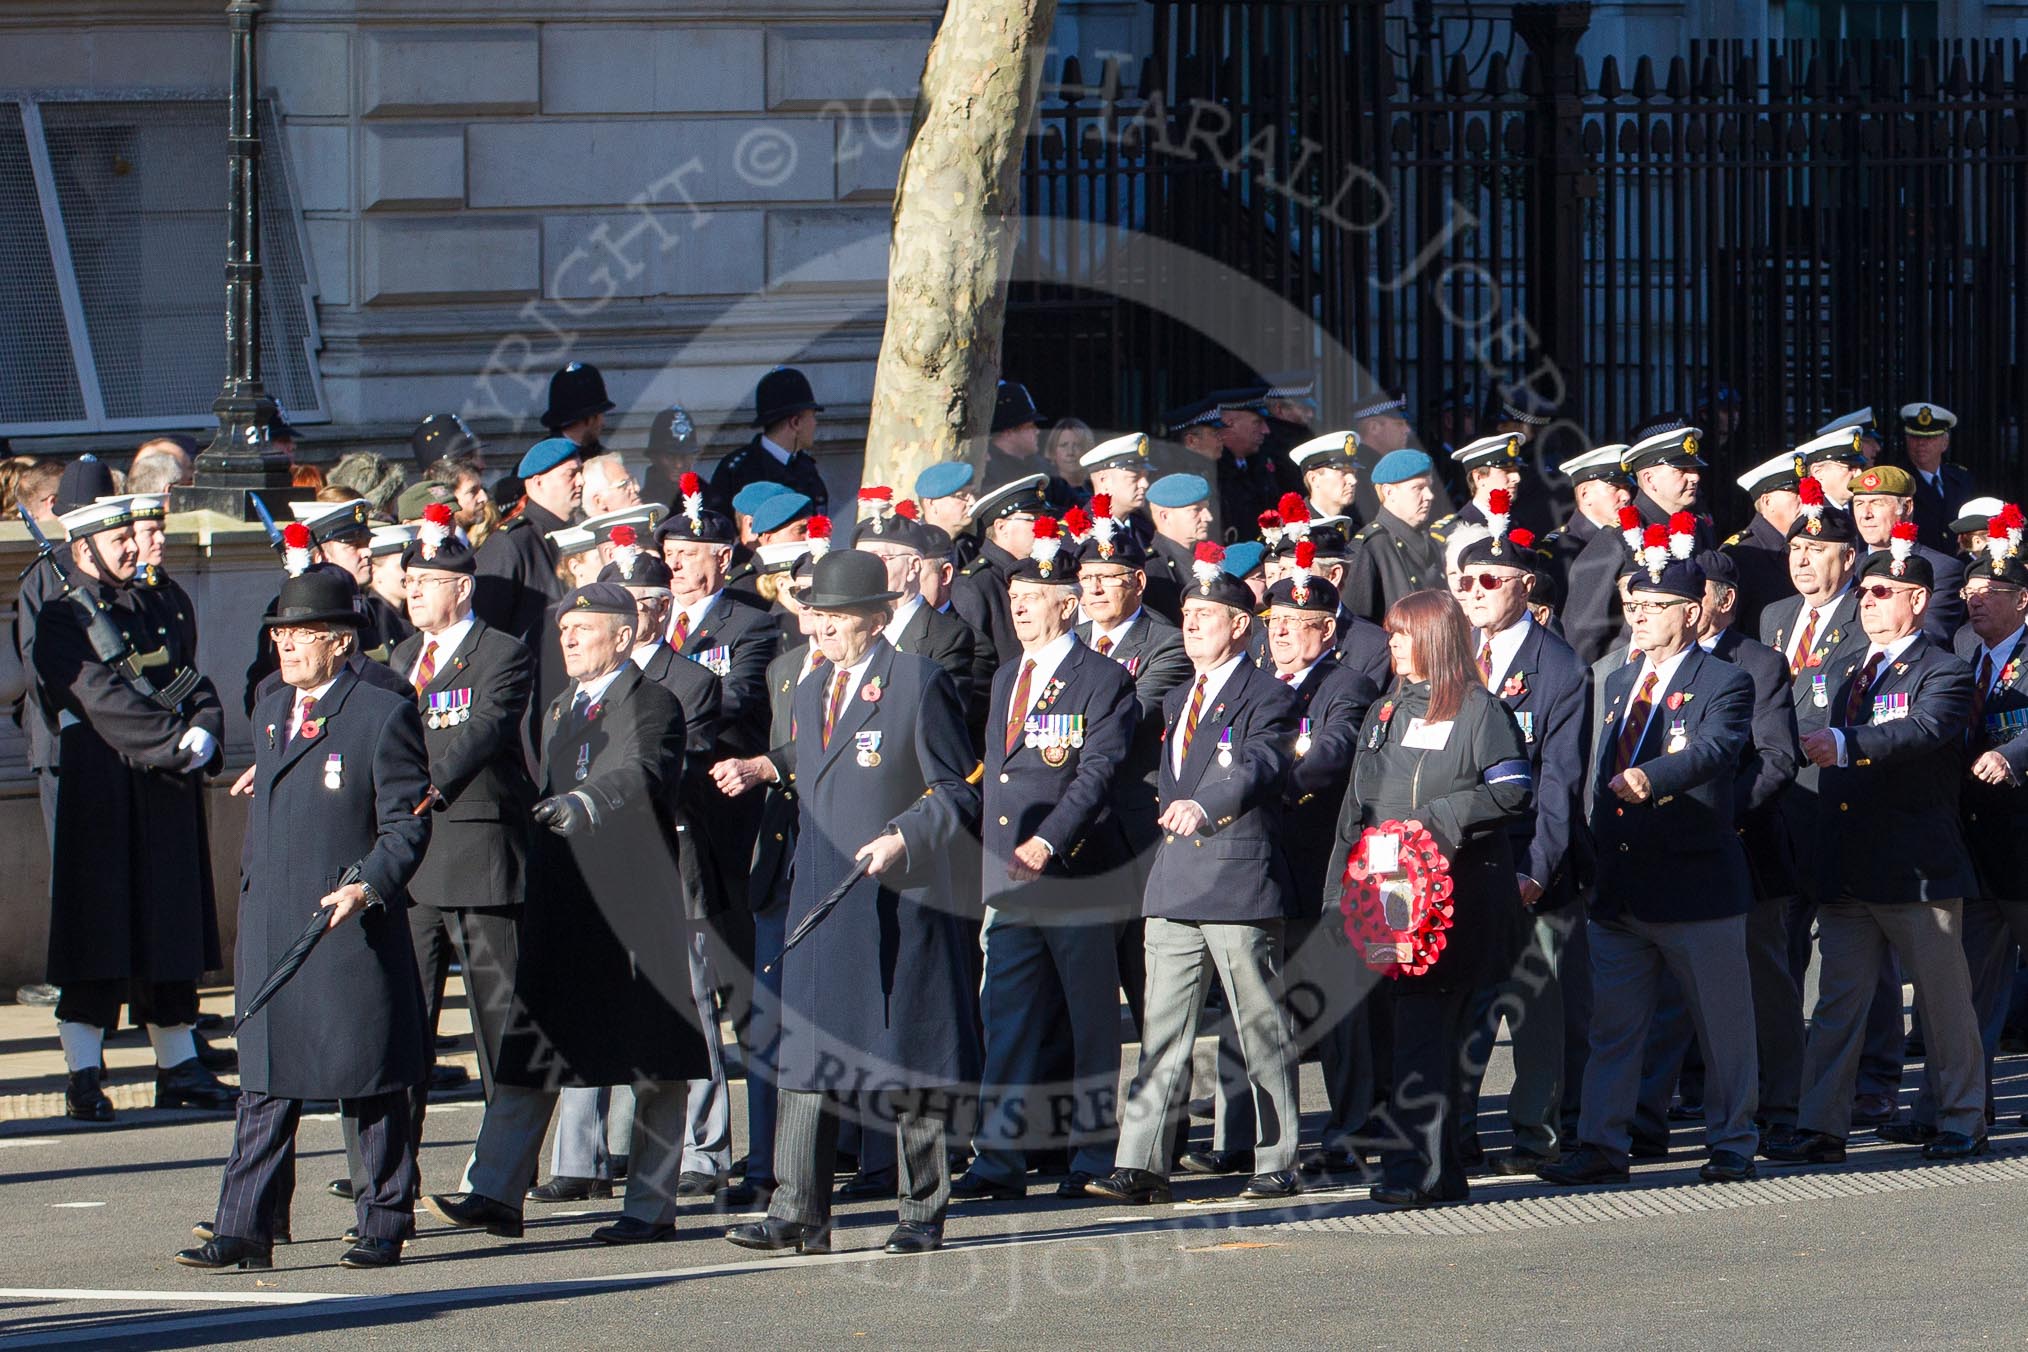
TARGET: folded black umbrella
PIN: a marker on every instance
(825, 905)
(292, 961)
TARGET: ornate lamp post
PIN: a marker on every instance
(238, 459)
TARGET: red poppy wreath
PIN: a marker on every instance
(1396, 918)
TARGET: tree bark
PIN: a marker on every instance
(954, 237)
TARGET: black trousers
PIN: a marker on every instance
(162, 1003)
(913, 1123)
(1421, 1149)
(254, 1191)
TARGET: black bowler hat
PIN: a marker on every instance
(782, 393)
(319, 596)
(440, 435)
(848, 579)
(1013, 406)
(575, 393)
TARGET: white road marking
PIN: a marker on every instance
(62, 1205)
(27, 1140)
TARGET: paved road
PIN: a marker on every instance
(1887, 1251)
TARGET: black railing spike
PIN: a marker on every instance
(1777, 80)
(1746, 78)
(1609, 79)
(1421, 84)
(1458, 78)
(1109, 79)
(1707, 77)
(1678, 84)
(1145, 86)
(1530, 83)
(1497, 84)
(1960, 82)
(1922, 83)
(1816, 80)
(1644, 78)
(1071, 80)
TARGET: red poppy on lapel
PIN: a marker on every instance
(1677, 700)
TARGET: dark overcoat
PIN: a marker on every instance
(881, 994)
(350, 1022)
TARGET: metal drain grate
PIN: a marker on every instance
(1626, 1202)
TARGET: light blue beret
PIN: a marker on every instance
(1400, 466)
(1244, 557)
(943, 480)
(1179, 490)
(546, 455)
(755, 493)
(778, 510)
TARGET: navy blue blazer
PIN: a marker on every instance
(1769, 766)
(1676, 856)
(1334, 699)
(1068, 803)
(1996, 817)
(1548, 690)
(1233, 870)
(1888, 826)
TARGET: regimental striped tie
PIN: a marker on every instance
(1017, 707)
(836, 704)
(1977, 722)
(1104, 645)
(1855, 703)
(1801, 658)
(680, 635)
(1196, 712)
(1486, 661)
(306, 711)
(426, 670)
(1636, 724)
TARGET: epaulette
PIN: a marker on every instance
(511, 524)
(1368, 531)
(976, 565)
(1738, 538)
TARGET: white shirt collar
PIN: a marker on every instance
(1507, 646)
(1118, 633)
(856, 673)
(595, 689)
(903, 614)
(1667, 671)
(781, 457)
(2000, 651)
(1295, 680)
(1215, 682)
(1047, 659)
(1895, 649)
(695, 611)
(644, 653)
(317, 693)
(448, 642)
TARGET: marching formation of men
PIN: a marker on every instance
(915, 803)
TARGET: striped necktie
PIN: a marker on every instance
(1196, 712)
(1636, 725)
(426, 670)
(1855, 703)
(835, 705)
(680, 635)
(1017, 707)
(1104, 645)
(1486, 661)
(1808, 637)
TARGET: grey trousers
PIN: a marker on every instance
(1992, 929)
(1530, 999)
(806, 1148)
(1328, 995)
(1777, 1020)
(594, 1132)
(1927, 939)
(510, 1142)
(1708, 960)
(1018, 1112)
(1182, 956)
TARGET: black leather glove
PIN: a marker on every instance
(566, 814)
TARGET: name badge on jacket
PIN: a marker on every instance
(718, 661)
(1427, 736)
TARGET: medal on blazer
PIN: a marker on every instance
(1054, 735)
(583, 762)
(1820, 694)
(718, 661)
(1887, 708)
(1225, 749)
(449, 707)
(868, 743)
(1303, 737)
(1678, 737)
(334, 771)
(1526, 718)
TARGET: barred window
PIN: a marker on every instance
(112, 267)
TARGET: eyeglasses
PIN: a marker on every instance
(1484, 581)
(1651, 607)
(293, 635)
(1999, 593)
(1286, 624)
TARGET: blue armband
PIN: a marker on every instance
(1510, 772)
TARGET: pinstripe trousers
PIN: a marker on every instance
(263, 1146)
(806, 1148)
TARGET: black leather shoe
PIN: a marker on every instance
(978, 1187)
(750, 1194)
(340, 1187)
(1727, 1166)
(1074, 1185)
(204, 1230)
(775, 1236)
(1406, 1198)
(84, 1097)
(879, 1183)
(470, 1211)
(224, 1252)
(1686, 1112)
(1520, 1163)
(1954, 1145)
(1806, 1147)
(1584, 1165)
(563, 1188)
(1216, 1162)
(1905, 1133)
(1319, 1162)
(368, 1252)
(1774, 1136)
(1136, 1187)
(1471, 1154)
(915, 1237)
(190, 1085)
(214, 1058)
(1648, 1148)
(632, 1230)
(1870, 1110)
(1283, 1183)
(694, 1183)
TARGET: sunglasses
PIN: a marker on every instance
(1484, 581)
(1880, 591)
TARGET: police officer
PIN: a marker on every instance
(785, 411)
(1004, 521)
(1248, 483)
(132, 920)
(578, 406)
(672, 453)
(1394, 554)
(1289, 403)
(443, 436)
(1014, 445)
(1195, 445)
(1060, 727)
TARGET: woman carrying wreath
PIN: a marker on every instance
(1440, 753)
